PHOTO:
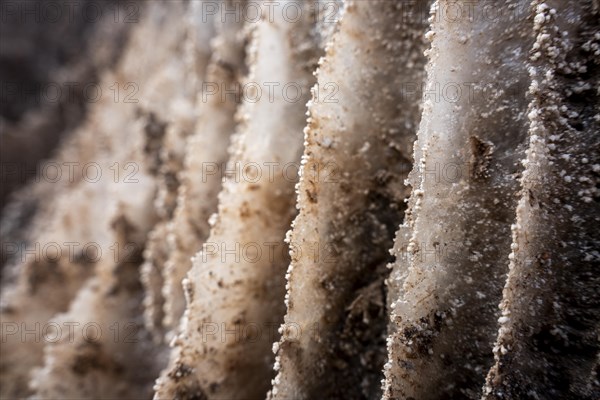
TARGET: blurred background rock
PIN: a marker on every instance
(49, 52)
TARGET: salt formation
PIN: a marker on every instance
(59, 253)
(461, 208)
(46, 281)
(444, 242)
(236, 284)
(186, 78)
(111, 300)
(351, 201)
(108, 251)
(548, 344)
(206, 156)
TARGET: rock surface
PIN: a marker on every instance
(311, 199)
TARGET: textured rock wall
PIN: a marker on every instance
(319, 199)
